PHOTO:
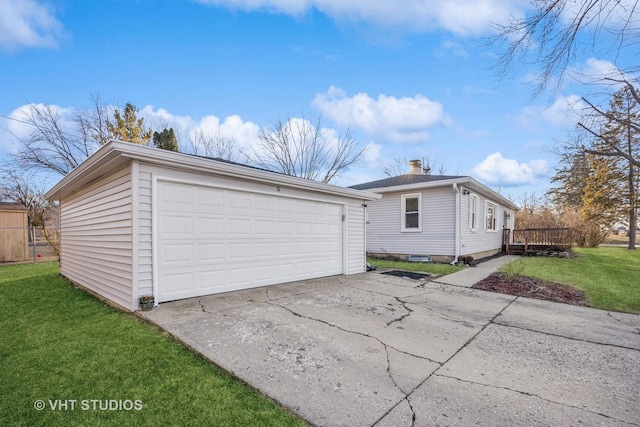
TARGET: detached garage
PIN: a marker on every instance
(140, 221)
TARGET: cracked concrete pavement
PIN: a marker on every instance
(376, 350)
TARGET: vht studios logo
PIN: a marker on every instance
(88, 405)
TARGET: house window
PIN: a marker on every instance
(492, 212)
(411, 212)
(473, 212)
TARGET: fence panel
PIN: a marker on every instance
(24, 244)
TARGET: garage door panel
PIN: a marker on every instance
(264, 227)
(176, 195)
(178, 284)
(215, 240)
(177, 253)
(264, 274)
(211, 226)
(176, 225)
(211, 281)
(240, 226)
(210, 252)
(239, 200)
(210, 197)
(262, 250)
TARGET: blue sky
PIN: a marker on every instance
(410, 81)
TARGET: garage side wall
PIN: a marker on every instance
(96, 237)
(356, 237)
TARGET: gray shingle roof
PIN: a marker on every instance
(402, 180)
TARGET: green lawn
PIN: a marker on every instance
(427, 267)
(59, 343)
(609, 276)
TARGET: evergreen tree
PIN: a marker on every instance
(166, 139)
(126, 126)
(571, 174)
(602, 191)
(624, 110)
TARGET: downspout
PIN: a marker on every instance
(364, 226)
(457, 224)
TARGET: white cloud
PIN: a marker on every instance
(27, 23)
(496, 170)
(245, 133)
(371, 154)
(594, 71)
(564, 112)
(394, 119)
(461, 17)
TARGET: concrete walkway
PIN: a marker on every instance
(472, 275)
(378, 350)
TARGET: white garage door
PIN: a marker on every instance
(212, 240)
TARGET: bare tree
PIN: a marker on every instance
(58, 141)
(306, 149)
(214, 145)
(24, 189)
(399, 165)
(554, 32)
(600, 117)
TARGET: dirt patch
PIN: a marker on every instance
(532, 288)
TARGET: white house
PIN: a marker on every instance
(140, 221)
(442, 217)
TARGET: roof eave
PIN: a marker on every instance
(116, 153)
(464, 180)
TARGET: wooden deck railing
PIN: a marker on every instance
(538, 238)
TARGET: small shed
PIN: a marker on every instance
(139, 221)
(14, 232)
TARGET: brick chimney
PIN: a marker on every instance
(416, 167)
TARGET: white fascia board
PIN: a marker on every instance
(124, 150)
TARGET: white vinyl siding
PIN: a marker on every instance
(477, 241)
(145, 235)
(436, 237)
(473, 211)
(96, 237)
(355, 237)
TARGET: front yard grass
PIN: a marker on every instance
(609, 276)
(59, 344)
(428, 267)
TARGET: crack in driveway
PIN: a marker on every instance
(525, 393)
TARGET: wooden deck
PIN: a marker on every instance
(518, 242)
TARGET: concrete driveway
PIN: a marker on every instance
(372, 349)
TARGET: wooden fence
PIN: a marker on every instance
(536, 239)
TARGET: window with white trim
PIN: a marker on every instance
(473, 212)
(492, 213)
(411, 204)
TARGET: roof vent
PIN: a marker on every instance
(416, 167)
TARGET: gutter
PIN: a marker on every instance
(457, 222)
